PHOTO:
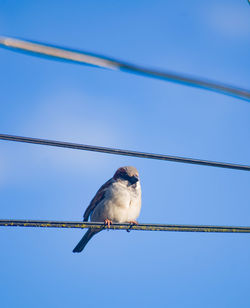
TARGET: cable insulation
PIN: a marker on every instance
(81, 57)
(128, 227)
(92, 148)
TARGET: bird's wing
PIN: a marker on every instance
(97, 198)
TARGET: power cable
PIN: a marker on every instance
(115, 226)
(82, 57)
(92, 148)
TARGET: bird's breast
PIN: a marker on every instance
(121, 204)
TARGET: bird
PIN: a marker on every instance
(118, 200)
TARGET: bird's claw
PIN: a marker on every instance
(132, 223)
(108, 222)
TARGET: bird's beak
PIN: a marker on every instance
(134, 179)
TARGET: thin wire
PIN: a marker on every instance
(81, 57)
(128, 227)
(85, 147)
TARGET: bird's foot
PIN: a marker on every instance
(108, 222)
(132, 223)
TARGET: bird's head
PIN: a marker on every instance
(127, 173)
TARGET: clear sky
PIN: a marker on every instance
(61, 101)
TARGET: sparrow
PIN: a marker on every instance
(118, 200)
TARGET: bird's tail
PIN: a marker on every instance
(83, 242)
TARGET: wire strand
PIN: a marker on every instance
(81, 57)
(115, 226)
(92, 148)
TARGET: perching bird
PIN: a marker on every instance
(118, 200)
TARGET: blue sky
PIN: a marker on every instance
(56, 100)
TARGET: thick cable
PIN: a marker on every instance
(82, 57)
(115, 226)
